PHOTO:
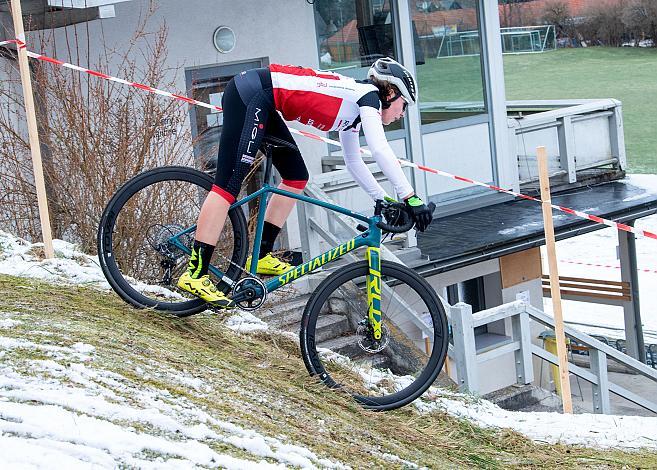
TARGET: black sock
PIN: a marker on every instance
(200, 259)
(269, 234)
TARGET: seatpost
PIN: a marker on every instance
(268, 161)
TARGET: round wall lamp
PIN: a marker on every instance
(224, 39)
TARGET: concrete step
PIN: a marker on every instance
(345, 345)
(528, 398)
(294, 306)
(328, 327)
(289, 321)
(377, 361)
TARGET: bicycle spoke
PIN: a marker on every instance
(380, 373)
(145, 238)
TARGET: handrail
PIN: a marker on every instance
(546, 117)
(630, 362)
(314, 191)
(467, 358)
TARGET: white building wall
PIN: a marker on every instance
(463, 151)
(281, 31)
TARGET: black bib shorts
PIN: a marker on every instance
(249, 115)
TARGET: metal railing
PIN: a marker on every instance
(467, 359)
(579, 135)
(464, 351)
(313, 227)
(310, 248)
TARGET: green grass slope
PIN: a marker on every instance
(259, 382)
(626, 74)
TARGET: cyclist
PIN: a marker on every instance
(324, 100)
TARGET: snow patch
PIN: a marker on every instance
(245, 322)
(43, 417)
(9, 323)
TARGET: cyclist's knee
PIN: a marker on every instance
(227, 195)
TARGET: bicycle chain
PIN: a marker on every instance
(243, 271)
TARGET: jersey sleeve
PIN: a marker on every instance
(356, 166)
(383, 155)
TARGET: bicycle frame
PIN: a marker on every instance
(371, 238)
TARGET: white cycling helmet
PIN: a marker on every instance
(391, 71)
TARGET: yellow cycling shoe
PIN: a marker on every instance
(205, 289)
(269, 266)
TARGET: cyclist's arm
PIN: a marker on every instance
(356, 166)
(383, 155)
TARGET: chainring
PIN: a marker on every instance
(254, 290)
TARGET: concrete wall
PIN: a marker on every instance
(499, 372)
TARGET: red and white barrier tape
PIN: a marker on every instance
(580, 263)
(141, 86)
(583, 215)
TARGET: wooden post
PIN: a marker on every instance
(555, 289)
(35, 147)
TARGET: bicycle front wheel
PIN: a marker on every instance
(146, 233)
(339, 348)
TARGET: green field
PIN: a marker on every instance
(626, 74)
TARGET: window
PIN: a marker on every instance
(207, 84)
(352, 34)
(447, 54)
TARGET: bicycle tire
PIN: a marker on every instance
(118, 220)
(403, 348)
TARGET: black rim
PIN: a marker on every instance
(106, 236)
(309, 333)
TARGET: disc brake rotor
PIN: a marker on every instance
(366, 339)
(159, 237)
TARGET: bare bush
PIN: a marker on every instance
(557, 13)
(640, 17)
(514, 13)
(604, 24)
(95, 135)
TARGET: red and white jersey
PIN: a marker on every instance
(324, 100)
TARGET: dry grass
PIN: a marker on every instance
(261, 384)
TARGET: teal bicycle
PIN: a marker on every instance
(372, 328)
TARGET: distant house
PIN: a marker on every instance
(530, 12)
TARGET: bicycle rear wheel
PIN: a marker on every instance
(337, 345)
(137, 253)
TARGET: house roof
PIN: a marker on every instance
(490, 232)
(347, 34)
(466, 18)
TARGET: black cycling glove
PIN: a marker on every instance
(421, 213)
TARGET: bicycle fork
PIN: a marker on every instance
(374, 290)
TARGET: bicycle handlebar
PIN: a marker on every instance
(396, 218)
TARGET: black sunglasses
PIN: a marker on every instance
(396, 97)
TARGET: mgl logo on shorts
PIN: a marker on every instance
(254, 132)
